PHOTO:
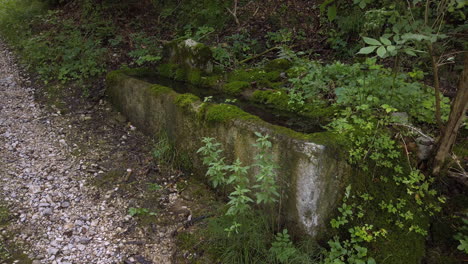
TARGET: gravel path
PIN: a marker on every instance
(59, 216)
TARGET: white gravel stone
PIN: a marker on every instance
(61, 217)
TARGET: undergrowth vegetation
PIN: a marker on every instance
(383, 74)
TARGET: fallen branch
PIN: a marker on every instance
(233, 12)
(259, 55)
(414, 129)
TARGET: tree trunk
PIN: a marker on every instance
(457, 114)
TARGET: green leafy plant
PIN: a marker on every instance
(240, 199)
(462, 235)
(154, 187)
(133, 211)
(147, 50)
(282, 248)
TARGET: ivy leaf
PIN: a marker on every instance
(371, 41)
(381, 51)
(367, 50)
(385, 41)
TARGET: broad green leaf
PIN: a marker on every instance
(367, 50)
(385, 41)
(381, 51)
(331, 12)
(412, 36)
(325, 4)
(371, 41)
(410, 52)
(390, 48)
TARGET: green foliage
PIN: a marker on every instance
(132, 211)
(363, 85)
(347, 252)
(282, 248)
(66, 53)
(242, 239)
(242, 45)
(252, 241)
(266, 188)
(167, 154)
(198, 34)
(462, 235)
(146, 49)
(281, 37)
(154, 187)
(223, 56)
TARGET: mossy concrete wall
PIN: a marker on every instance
(311, 172)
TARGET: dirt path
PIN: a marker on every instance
(48, 159)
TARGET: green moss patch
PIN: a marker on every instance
(226, 112)
(167, 70)
(186, 100)
(235, 87)
(278, 65)
(278, 99)
(157, 89)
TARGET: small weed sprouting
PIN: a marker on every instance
(167, 154)
(154, 187)
(133, 211)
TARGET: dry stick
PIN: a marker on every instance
(259, 55)
(414, 129)
(234, 12)
(406, 150)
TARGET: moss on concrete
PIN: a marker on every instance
(157, 89)
(278, 65)
(194, 77)
(235, 87)
(210, 81)
(189, 54)
(186, 100)
(277, 99)
(167, 70)
(225, 112)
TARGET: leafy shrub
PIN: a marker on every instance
(364, 84)
(146, 49)
(60, 51)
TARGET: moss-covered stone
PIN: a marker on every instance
(302, 162)
(167, 70)
(278, 65)
(157, 89)
(210, 81)
(278, 99)
(194, 77)
(186, 100)
(190, 54)
(235, 87)
(226, 112)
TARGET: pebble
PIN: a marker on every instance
(45, 178)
